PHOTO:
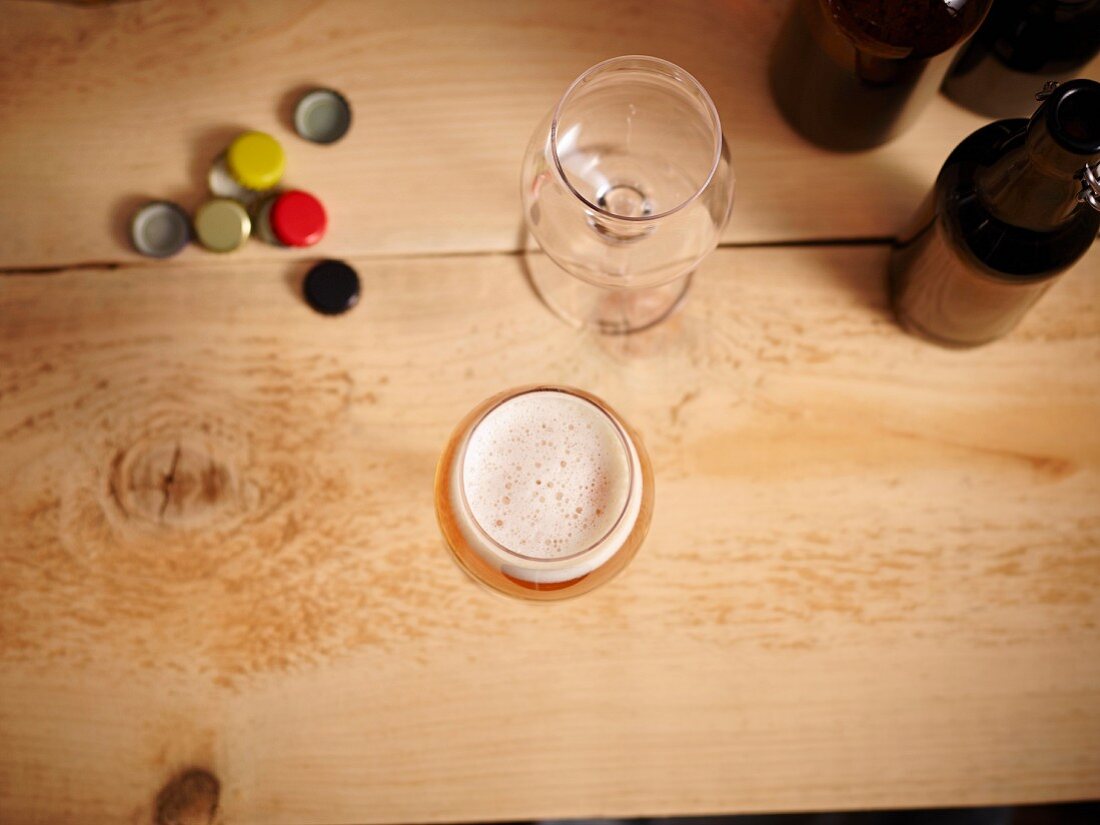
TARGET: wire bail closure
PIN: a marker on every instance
(1090, 186)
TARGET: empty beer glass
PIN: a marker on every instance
(627, 186)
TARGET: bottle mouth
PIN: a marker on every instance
(688, 87)
(1073, 116)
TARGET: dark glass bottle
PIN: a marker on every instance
(852, 74)
(1013, 206)
(1022, 44)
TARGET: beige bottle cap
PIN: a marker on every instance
(222, 225)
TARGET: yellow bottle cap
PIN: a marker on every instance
(222, 225)
(256, 160)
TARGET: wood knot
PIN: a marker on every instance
(191, 798)
(180, 483)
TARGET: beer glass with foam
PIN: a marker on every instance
(544, 492)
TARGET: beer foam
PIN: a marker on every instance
(546, 474)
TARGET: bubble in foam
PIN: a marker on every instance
(590, 490)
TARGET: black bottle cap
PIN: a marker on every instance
(331, 287)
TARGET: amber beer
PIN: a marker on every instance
(544, 492)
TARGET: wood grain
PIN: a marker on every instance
(102, 108)
(873, 577)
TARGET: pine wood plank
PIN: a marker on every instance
(104, 107)
(873, 577)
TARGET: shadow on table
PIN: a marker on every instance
(205, 149)
(867, 287)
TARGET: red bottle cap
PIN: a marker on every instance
(298, 219)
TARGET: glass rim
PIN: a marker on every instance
(669, 69)
(460, 468)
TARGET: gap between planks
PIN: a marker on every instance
(57, 269)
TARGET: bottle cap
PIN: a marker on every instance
(160, 229)
(222, 225)
(262, 225)
(255, 160)
(331, 287)
(322, 116)
(298, 218)
(224, 185)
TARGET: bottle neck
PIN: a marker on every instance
(1034, 185)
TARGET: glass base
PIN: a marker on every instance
(612, 311)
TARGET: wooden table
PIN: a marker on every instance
(873, 577)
